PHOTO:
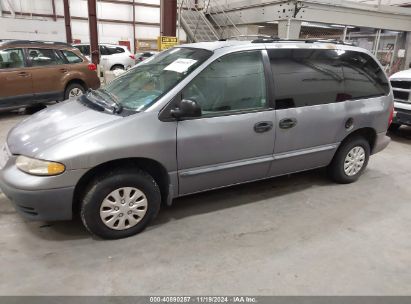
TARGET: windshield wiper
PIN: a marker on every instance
(115, 103)
(111, 101)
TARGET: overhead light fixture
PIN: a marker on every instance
(311, 24)
(342, 26)
(323, 25)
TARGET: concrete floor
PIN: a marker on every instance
(296, 235)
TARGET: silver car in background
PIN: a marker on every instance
(194, 118)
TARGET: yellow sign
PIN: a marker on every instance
(166, 42)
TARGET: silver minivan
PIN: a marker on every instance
(193, 118)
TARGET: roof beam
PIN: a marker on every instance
(334, 12)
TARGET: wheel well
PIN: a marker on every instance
(368, 133)
(116, 65)
(152, 167)
(78, 81)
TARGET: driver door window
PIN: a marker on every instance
(232, 83)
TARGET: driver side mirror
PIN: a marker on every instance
(186, 108)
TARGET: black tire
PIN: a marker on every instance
(102, 186)
(336, 168)
(117, 67)
(394, 127)
(71, 87)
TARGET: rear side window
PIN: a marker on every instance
(313, 77)
(71, 57)
(363, 76)
(103, 50)
(84, 49)
(114, 50)
(232, 83)
(306, 77)
(11, 59)
(44, 57)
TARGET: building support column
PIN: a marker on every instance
(53, 6)
(289, 29)
(67, 21)
(168, 17)
(134, 27)
(92, 22)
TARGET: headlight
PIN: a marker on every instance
(39, 167)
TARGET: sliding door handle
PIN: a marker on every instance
(288, 123)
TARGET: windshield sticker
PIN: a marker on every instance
(180, 65)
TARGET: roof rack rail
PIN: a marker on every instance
(244, 37)
(15, 42)
(276, 39)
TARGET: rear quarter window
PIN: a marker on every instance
(363, 76)
(71, 57)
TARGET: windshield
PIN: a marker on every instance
(140, 87)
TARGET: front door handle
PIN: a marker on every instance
(63, 70)
(288, 123)
(263, 126)
(23, 74)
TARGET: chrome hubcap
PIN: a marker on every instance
(76, 92)
(354, 161)
(123, 208)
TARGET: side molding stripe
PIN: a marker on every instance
(253, 161)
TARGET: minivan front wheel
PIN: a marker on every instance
(120, 204)
(350, 160)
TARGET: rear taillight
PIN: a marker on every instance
(391, 116)
(132, 57)
(92, 67)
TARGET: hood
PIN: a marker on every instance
(406, 74)
(54, 125)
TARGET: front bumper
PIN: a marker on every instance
(41, 205)
(402, 117)
(39, 197)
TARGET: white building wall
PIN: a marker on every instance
(42, 28)
(32, 29)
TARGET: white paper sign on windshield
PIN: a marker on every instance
(180, 65)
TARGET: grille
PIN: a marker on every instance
(401, 95)
(401, 84)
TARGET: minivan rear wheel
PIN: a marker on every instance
(350, 160)
(120, 204)
(73, 91)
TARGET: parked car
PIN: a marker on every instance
(112, 57)
(401, 85)
(145, 55)
(194, 118)
(34, 72)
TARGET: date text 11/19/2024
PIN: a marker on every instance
(203, 299)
